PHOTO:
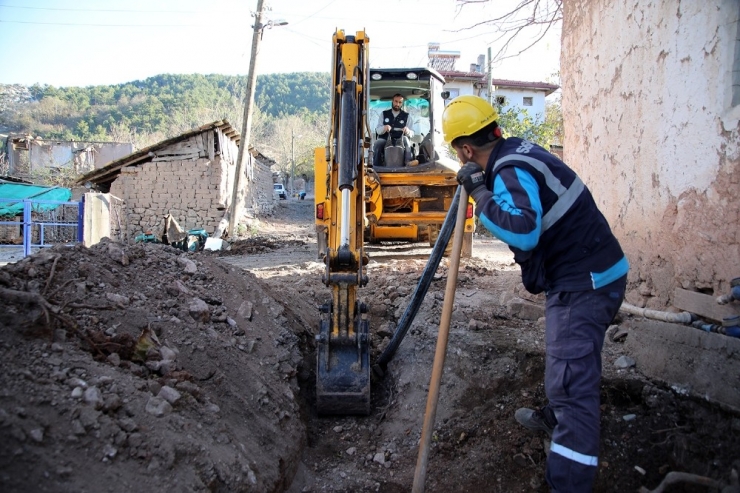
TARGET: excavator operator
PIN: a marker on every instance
(393, 123)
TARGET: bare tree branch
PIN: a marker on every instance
(51, 312)
(524, 17)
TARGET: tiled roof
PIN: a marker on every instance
(480, 77)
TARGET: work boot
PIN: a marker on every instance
(536, 419)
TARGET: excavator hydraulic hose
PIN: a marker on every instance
(445, 233)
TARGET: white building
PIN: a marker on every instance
(506, 94)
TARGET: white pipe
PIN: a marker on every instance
(344, 228)
(679, 318)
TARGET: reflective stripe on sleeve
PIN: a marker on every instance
(586, 460)
(566, 196)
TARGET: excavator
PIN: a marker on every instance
(357, 203)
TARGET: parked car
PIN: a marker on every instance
(279, 189)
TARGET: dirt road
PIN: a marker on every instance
(152, 369)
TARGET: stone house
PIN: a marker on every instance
(651, 107)
(189, 176)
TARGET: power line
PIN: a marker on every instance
(97, 24)
(107, 10)
(310, 16)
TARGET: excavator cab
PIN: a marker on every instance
(409, 203)
(400, 149)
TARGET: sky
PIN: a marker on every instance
(91, 42)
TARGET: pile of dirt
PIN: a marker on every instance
(147, 368)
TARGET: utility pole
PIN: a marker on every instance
(292, 160)
(243, 153)
(235, 211)
(490, 81)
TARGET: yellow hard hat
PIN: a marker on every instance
(465, 115)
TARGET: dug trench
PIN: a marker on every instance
(142, 367)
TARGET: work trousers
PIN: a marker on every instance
(379, 147)
(575, 326)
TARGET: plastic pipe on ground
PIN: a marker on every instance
(679, 318)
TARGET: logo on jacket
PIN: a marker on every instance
(524, 147)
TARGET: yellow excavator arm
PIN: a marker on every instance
(343, 366)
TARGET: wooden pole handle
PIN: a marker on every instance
(439, 356)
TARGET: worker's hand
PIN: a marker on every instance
(471, 177)
(386, 129)
(405, 130)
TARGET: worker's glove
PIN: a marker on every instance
(471, 177)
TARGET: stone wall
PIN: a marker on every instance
(195, 192)
(651, 127)
(261, 197)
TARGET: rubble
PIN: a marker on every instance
(134, 385)
(145, 367)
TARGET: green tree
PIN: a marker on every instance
(162, 106)
(293, 136)
(554, 118)
(517, 122)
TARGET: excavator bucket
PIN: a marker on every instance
(343, 372)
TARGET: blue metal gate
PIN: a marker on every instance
(43, 224)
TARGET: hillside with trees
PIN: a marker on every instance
(147, 111)
(291, 114)
(165, 104)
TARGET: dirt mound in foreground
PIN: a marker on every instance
(142, 368)
(241, 424)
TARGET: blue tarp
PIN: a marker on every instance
(21, 191)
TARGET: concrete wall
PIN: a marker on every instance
(703, 364)
(80, 156)
(514, 97)
(96, 218)
(651, 128)
(103, 217)
(463, 88)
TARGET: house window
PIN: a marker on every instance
(526, 101)
(453, 94)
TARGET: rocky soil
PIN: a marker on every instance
(142, 367)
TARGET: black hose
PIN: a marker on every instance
(445, 233)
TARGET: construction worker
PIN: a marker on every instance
(533, 202)
(393, 118)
